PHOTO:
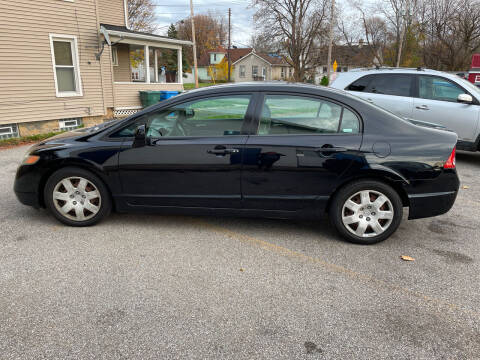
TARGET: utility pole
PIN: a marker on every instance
(194, 45)
(229, 42)
(330, 40)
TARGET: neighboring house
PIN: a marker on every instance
(247, 65)
(53, 72)
(261, 66)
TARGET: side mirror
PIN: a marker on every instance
(189, 113)
(140, 136)
(465, 98)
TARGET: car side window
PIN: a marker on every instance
(360, 84)
(215, 116)
(391, 84)
(291, 114)
(437, 88)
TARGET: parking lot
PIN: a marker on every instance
(171, 287)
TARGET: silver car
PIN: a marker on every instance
(429, 97)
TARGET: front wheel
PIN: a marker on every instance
(77, 197)
(366, 212)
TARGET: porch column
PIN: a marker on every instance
(179, 66)
(147, 63)
(156, 65)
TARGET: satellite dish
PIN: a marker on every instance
(104, 32)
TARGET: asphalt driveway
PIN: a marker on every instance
(170, 287)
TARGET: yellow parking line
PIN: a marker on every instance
(334, 268)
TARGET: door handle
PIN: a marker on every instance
(370, 100)
(422, 107)
(222, 151)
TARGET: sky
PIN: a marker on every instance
(171, 11)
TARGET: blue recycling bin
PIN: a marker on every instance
(168, 94)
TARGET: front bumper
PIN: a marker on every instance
(30, 199)
(431, 204)
(27, 184)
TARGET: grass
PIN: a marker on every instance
(192, 86)
(27, 139)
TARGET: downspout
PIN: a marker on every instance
(100, 61)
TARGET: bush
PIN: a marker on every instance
(324, 81)
(27, 139)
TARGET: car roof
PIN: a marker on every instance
(267, 86)
(346, 78)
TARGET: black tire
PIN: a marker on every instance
(103, 200)
(373, 187)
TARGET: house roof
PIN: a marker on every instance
(360, 55)
(238, 53)
(235, 54)
(123, 31)
(273, 59)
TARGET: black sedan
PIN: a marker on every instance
(271, 150)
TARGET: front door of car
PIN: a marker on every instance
(303, 144)
(192, 155)
(437, 103)
(393, 92)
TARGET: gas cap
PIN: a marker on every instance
(381, 149)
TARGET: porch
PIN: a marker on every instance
(142, 62)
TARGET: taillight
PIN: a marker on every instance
(450, 163)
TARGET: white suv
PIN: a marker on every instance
(426, 96)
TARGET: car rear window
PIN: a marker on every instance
(295, 114)
(385, 84)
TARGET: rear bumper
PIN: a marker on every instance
(431, 204)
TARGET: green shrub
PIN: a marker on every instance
(324, 81)
(27, 139)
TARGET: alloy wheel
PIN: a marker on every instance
(76, 198)
(367, 213)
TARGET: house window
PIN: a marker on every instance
(254, 70)
(345, 69)
(65, 65)
(214, 57)
(8, 131)
(264, 72)
(114, 56)
(290, 72)
(282, 73)
(69, 124)
(242, 71)
(325, 70)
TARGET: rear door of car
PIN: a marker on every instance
(300, 145)
(393, 92)
(437, 103)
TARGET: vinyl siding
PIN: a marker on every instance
(27, 85)
(250, 61)
(122, 71)
(112, 12)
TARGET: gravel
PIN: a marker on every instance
(172, 287)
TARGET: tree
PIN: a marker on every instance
(172, 32)
(262, 43)
(299, 25)
(210, 33)
(171, 57)
(141, 15)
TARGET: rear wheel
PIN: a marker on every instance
(366, 212)
(77, 197)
